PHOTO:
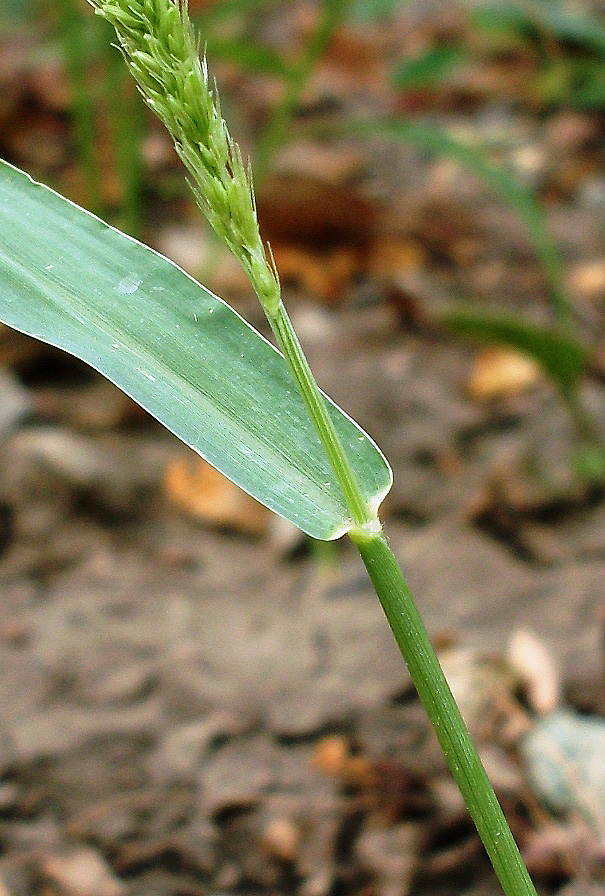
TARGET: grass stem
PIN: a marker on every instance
(441, 707)
(287, 341)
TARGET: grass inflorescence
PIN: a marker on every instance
(159, 44)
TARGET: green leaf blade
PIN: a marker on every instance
(429, 69)
(73, 281)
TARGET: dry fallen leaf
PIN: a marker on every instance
(484, 690)
(587, 280)
(390, 256)
(325, 275)
(500, 373)
(533, 662)
(331, 755)
(81, 871)
(300, 208)
(205, 494)
(281, 838)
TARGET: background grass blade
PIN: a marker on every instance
(560, 355)
(249, 55)
(179, 351)
(333, 13)
(564, 23)
(430, 69)
(74, 40)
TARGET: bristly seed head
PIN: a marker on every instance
(160, 47)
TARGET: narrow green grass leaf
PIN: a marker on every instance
(248, 55)
(274, 135)
(563, 23)
(429, 69)
(560, 355)
(216, 13)
(71, 280)
(576, 27)
(367, 11)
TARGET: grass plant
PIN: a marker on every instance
(73, 44)
(274, 135)
(94, 97)
(569, 44)
(71, 280)
(127, 129)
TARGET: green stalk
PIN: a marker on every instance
(287, 341)
(440, 705)
(411, 636)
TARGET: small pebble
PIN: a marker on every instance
(281, 838)
(81, 872)
(533, 662)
